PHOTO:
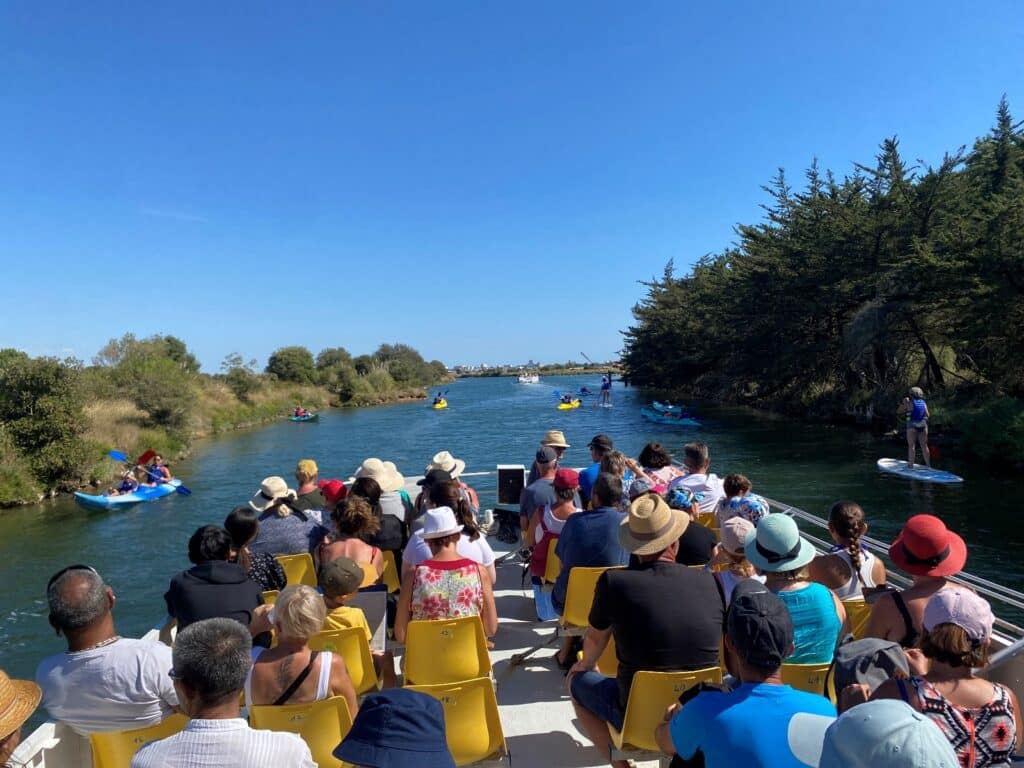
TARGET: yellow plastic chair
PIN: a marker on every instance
(472, 726)
(115, 749)
(351, 644)
(553, 566)
(806, 677)
(322, 725)
(608, 662)
(270, 596)
(298, 569)
(446, 651)
(707, 519)
(370, 575)
(579, 596)
(857, 613)
(649, 696)
(390, 575)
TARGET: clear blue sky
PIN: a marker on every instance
(483, 180)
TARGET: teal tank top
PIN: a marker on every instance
(815, 623)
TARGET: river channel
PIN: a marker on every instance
(489, 421)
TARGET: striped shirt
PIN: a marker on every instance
(224, 744)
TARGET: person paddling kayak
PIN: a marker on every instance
(917, 425)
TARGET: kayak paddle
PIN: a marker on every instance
(119, 456)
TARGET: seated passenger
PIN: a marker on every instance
(128, 485)
(662, 615)
(553, 438)
(104, 682)
(211, 662)
(212, 587)
(471, 545)
(980, 719)
(751, 726)
(730, 560)
(849, 570)
(397, 729)
(308, 497)
(547, 523)
(541, 491)
(697, 544)
(300, 411)
(656, 464)
(704, 484)
(617, 463)
(18, 700)
(243, 527)
(740, 502)
(447, 585)
(777, 550)
(388, 499)
(157, 472)
(339, 582)
(283, 530)
(291, 673)
(599, 445)
(455, 467)
(931, 553)
(334, 492)
(354, 522)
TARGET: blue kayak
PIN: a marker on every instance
(145, 493)
(307, 417)
(665, 418)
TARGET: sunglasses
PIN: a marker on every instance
(62, 571)
(174, 674)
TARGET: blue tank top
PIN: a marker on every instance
(917, 410)
(815, 623)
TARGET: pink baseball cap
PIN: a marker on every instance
(965, 609)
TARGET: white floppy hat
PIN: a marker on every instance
(439, 522)
(448, 463)
(384, 472)
(271, 490)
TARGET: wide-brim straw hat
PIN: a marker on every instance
(448, 463)
(651, 525)
(384, 472)
(554, 438)
(777, 545)
(926, 547)
(272, 489)
(18, 700)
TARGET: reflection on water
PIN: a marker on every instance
(488, 421)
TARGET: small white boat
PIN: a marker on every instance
(528, 378)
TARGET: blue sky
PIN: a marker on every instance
(486, 181)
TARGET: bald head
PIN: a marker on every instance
(77, 599)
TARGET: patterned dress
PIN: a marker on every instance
(980, 735)
(446, 590)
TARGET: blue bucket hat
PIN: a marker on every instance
(776, 545)
(397, 728)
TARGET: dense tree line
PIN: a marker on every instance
(852, 289)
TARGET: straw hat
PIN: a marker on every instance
(18, 700)
(651, 525)
(926, 547)
(271, 490)
(384, 472)
(554, 438)
(777, 546)
(448, 463)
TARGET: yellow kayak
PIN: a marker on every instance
(440, 406)
(569, 406)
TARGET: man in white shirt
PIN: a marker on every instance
(211, 660)
(104, 682)
(706, 486)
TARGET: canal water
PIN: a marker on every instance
(489, 421)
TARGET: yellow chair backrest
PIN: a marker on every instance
(553, 566)
(649, 696)
(270, 596)
(370, 575)
(445, 651)
(351, 644)
(857, 613)
(608, 662)
(322, 725)
(707, 519)
(390, 575)
(298, 569)
(579, 596)
(472, 725)
(806, 677)
(115, 749)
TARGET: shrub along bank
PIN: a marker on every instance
(59, 418)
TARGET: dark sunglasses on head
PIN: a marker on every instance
(62, 571)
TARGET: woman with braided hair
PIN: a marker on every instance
(849, 570)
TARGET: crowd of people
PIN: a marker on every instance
(701, 574)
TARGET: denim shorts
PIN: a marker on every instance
(599, 694)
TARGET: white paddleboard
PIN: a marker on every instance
(919, 472)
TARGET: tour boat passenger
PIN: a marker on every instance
(697, 461)
(354, 523)
(283, 530)
(547, 523)
(455, 467)
(471, 545)
(599, 445)
(242, 525)
(850, 569)
(730, 559)
(308, 497)
(18, 700)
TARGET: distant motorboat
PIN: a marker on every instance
(528, 378)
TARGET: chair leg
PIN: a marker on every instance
(519, 658)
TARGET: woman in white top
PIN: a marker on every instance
(290, 673)
(849, 570)
(471, 545)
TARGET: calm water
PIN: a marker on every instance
(489, 421)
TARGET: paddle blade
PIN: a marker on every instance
(117, 456)
(183, 490)
(145, 457)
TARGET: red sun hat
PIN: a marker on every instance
(926, 547)
(333, 490)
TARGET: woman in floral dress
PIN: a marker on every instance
(447, 585)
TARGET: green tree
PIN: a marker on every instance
(292, 364)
